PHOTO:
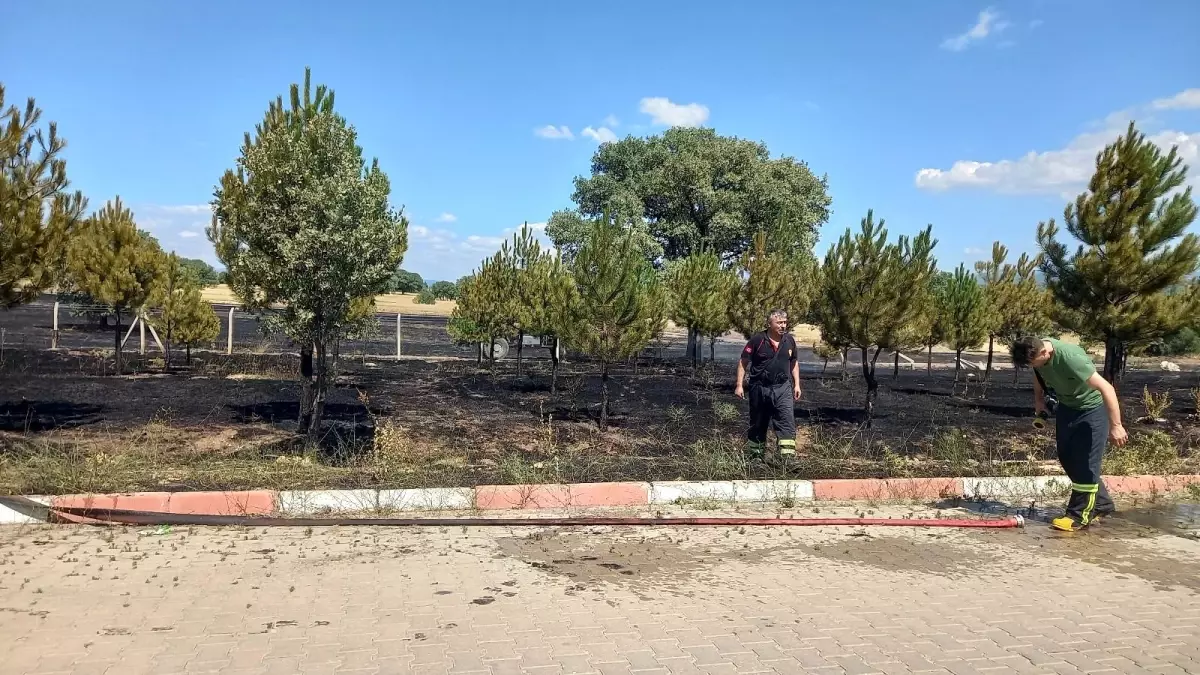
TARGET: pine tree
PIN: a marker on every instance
(549, 299)
(1017, 304)
(934, 327)
(524, 258)
(305, 222)
(1126, 284)
(768, 281)
(700, 291)
(621, 303)
(37, 214)
(193, 321)
(175, 283)
(491, 303)
(966, 314)
(867, 292)
(116, 264)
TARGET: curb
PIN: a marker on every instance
(528, 497)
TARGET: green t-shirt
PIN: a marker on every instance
(1067, 373)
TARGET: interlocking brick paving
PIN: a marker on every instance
(1121, 599)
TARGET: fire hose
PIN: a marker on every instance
(101, 516)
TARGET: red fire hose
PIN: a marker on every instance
(96, 516)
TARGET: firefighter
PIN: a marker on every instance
(771, 359)
(1087, 416)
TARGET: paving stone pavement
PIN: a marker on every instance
(1120, 599)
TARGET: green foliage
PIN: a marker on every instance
(689, 190)
(425, 297)
(700, 291)
(186, 318)
(1151, 453)
(621, 303)
(305, 222)
(1017, 304)
(403, 281)
(965, 312)
(444, 290)
(1183, 342)
(201, 273)
(764, 281)
(1127, 283)
(867, 297)
(37, 215)
(110, 260)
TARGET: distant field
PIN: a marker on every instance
(390, 303)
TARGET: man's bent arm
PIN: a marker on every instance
(1097, 382)
(741, 372)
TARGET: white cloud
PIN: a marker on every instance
(1188, 99)
(972, 250)
(178, 228)
(1036, 23)
(986, 24)
(601, 135)
(438, 253)
(1065, 170)
(554, 133)
(446, 218)
(666, 113)
(611, 121)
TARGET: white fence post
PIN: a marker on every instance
(399, 337)
(229, 344)
(54, 332)
(141, 321)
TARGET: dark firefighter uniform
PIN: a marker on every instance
(772, 403)
(1081, 432)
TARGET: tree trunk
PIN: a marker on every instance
(520, 353)
(304, 421)
(896, 367)
(187, 354)
(929, 360)
(825, 366)
(987, 373)
(604, 397)
(957, 364)
(693, 346)
(868, 368)
(322, 371)
(845, 360)
(117, 343)
(554, 366)
(712, 350)
(479, 355)
(1114, 361)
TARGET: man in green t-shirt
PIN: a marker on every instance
(1087, 416)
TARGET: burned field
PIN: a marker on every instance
(67, 425)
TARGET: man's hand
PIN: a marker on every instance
(796, 392)
(1039, 408)
(1117, 434)
(739, 391)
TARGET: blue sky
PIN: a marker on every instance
(977, 118)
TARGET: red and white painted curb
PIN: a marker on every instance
(507, 497)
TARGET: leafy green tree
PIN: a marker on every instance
(200, 272)
(1017, 303)
(700, 291)
(444, 290)
(185, 317)
(694, 190)
(621, 307)
(767, 280)
(934, 328)
(425, 297)
(464, 326)
(37, 214)
(866, 290)
(403, 281)
(196, 324)
(487, 306)
(568, 229)
(117, 265)
(305, 222)
(966, 313)
(1126, 284)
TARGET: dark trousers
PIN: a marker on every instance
(772, 406)
(1082, 437)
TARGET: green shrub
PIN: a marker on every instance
(1151, 453)
(425, 297)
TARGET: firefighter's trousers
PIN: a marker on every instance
(1082, 437)
(772, 407)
